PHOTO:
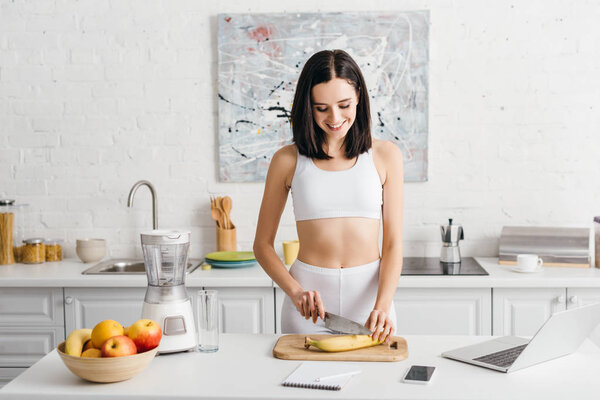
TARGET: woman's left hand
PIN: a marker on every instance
(381, 325)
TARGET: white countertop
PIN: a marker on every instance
(67, 273)
(244, 368)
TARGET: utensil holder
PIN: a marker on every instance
(226, 239)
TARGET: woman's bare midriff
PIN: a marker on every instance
(338, 242)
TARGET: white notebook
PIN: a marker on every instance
(321, 375)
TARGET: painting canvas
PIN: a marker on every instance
(260, 57)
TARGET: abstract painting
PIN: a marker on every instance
(260, 57)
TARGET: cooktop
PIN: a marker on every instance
(433, 266)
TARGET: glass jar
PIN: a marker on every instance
(597, 240)
(33, 251)
(53, 249)
(7, 221)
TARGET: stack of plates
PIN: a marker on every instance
(230, 259)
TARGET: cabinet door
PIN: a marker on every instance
(24, 346)
(8, 374)
(442, 311)
(245, 310)
(31, 306)
(279, 296)
(581, 296)
(85, 307)
(522, 311)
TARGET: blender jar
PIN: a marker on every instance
(165, 256)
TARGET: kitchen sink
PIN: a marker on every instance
(123, 266)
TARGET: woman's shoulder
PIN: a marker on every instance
(286, 155)
(284, 162)
(386, 151)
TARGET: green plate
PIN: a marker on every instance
(230, 256)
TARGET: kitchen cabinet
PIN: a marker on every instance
(31, 325)
(245, 310)
(8, 374)
(522, 311)
(85, 307)
(241, 310)
(443, 311)
(582, 296)
(279, 296)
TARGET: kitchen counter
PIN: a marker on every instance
(244, 368)
(67, 273)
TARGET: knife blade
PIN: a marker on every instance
(340, 324)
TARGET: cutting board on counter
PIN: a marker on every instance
(291, 347)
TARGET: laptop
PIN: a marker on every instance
(560, 335)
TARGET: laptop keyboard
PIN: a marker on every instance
(503, 358)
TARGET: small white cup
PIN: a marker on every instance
(529, 262)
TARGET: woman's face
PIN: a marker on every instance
(334, 107)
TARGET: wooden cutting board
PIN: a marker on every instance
(291, 347)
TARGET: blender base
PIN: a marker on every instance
(177, 323)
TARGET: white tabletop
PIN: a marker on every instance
(244, 368)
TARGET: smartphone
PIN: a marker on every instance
(418, 374)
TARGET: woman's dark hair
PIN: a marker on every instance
(308, 136)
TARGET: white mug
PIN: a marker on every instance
(529, 262)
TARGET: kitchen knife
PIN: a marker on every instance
(340, 324)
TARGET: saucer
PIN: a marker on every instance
(527, 271)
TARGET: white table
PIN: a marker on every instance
(244, 368)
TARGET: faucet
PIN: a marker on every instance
(154, 205)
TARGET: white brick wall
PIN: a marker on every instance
(95, 95)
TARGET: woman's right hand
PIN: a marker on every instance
(309, 304)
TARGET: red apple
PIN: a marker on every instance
(118, 346)
(145, 333)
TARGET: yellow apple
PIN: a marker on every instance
(105, 330)
(92, 353)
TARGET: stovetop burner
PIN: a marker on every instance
(433, 266)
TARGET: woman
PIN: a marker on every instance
(343, 182)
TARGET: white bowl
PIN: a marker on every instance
(91, 243)
(90, 254)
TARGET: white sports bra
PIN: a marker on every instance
(354, 192)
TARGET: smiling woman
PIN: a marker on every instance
(342, 183)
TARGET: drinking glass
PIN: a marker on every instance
(208, 321)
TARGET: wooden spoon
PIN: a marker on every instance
(216, 215)
(227, 203)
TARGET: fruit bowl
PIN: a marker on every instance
(106, 369)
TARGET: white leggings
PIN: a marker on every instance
(349, 292)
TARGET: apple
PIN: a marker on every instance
(118, 346)
(104, 330)
(145, 333)
(92, 353)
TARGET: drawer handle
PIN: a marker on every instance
(68, 300)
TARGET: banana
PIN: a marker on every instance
(342, 343)
(76, 340)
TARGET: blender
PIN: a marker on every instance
(167, 301)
